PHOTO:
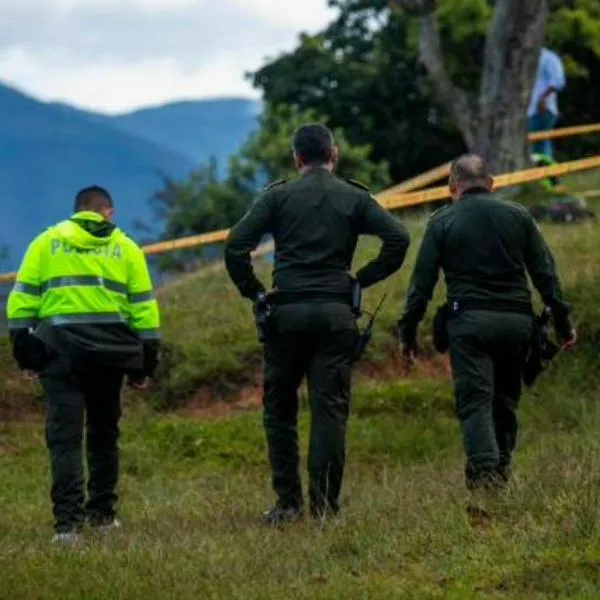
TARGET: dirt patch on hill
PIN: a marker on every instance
(20, 400)
(204, 405)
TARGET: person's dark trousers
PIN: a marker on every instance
(81, 399)
(543, 122)
(325, 358)
(488, 351)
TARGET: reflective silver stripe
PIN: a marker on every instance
(85, 280)
(143, 297)
(27, 288)
(149, 334)
(85, 319)
(22, 323)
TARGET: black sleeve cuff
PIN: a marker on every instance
(151, 357)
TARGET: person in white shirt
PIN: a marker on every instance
(543, 108)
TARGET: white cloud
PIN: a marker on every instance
(114, 88)
(305, 14)
(115, 55)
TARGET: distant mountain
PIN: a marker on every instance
(49, 151)
(197, 129)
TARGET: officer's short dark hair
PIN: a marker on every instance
(314, 144)
(94, 198)
(469, 168)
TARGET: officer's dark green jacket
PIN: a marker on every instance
(84, 289)
(486, 247)
(315, 221)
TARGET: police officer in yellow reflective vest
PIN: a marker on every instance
(82, 318)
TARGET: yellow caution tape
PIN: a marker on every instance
(501, 181)
(396, 197)
(423, 180)
(561, 132)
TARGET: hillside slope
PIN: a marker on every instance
(199, 129)
(211, 348)
(191, 490)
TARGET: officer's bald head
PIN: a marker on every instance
(467, 172)
(314, 146)
(95, 199)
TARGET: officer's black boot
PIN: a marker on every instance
(281, 515)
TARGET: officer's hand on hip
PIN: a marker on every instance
(30, 375)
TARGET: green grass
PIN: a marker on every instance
(192, 490)
(191, 493)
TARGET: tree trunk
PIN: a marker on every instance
(493, 125)
(511, 56)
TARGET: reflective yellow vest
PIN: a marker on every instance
(70, 276)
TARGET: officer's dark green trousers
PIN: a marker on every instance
(316, 341)
(488, 351)
(77, 396)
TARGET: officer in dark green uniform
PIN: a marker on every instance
(485, 247)
(315, 221)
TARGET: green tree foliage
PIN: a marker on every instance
(574, 32)
(363, 71)
(205, 203)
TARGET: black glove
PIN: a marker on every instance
(151, 360)
(563, 326)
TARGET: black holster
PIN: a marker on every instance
(356, 298)
(441, 340)
(264, 315)
(541, 351)
(364, 338)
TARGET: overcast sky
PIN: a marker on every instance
(115, 55)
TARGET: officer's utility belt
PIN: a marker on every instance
(452, 308)
(282, 298)
(458, 306)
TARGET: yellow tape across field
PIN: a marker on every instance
(501, 181)
(423, 180)
(561, 132)
(393, 199)
(398, 196)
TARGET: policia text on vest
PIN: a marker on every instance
(82, 316)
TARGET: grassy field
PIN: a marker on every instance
(192, 489)
(192, 492)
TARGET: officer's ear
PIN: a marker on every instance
(335, 154)
(109, 213)
(490, 184)
(454, 191)
(298, 162)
